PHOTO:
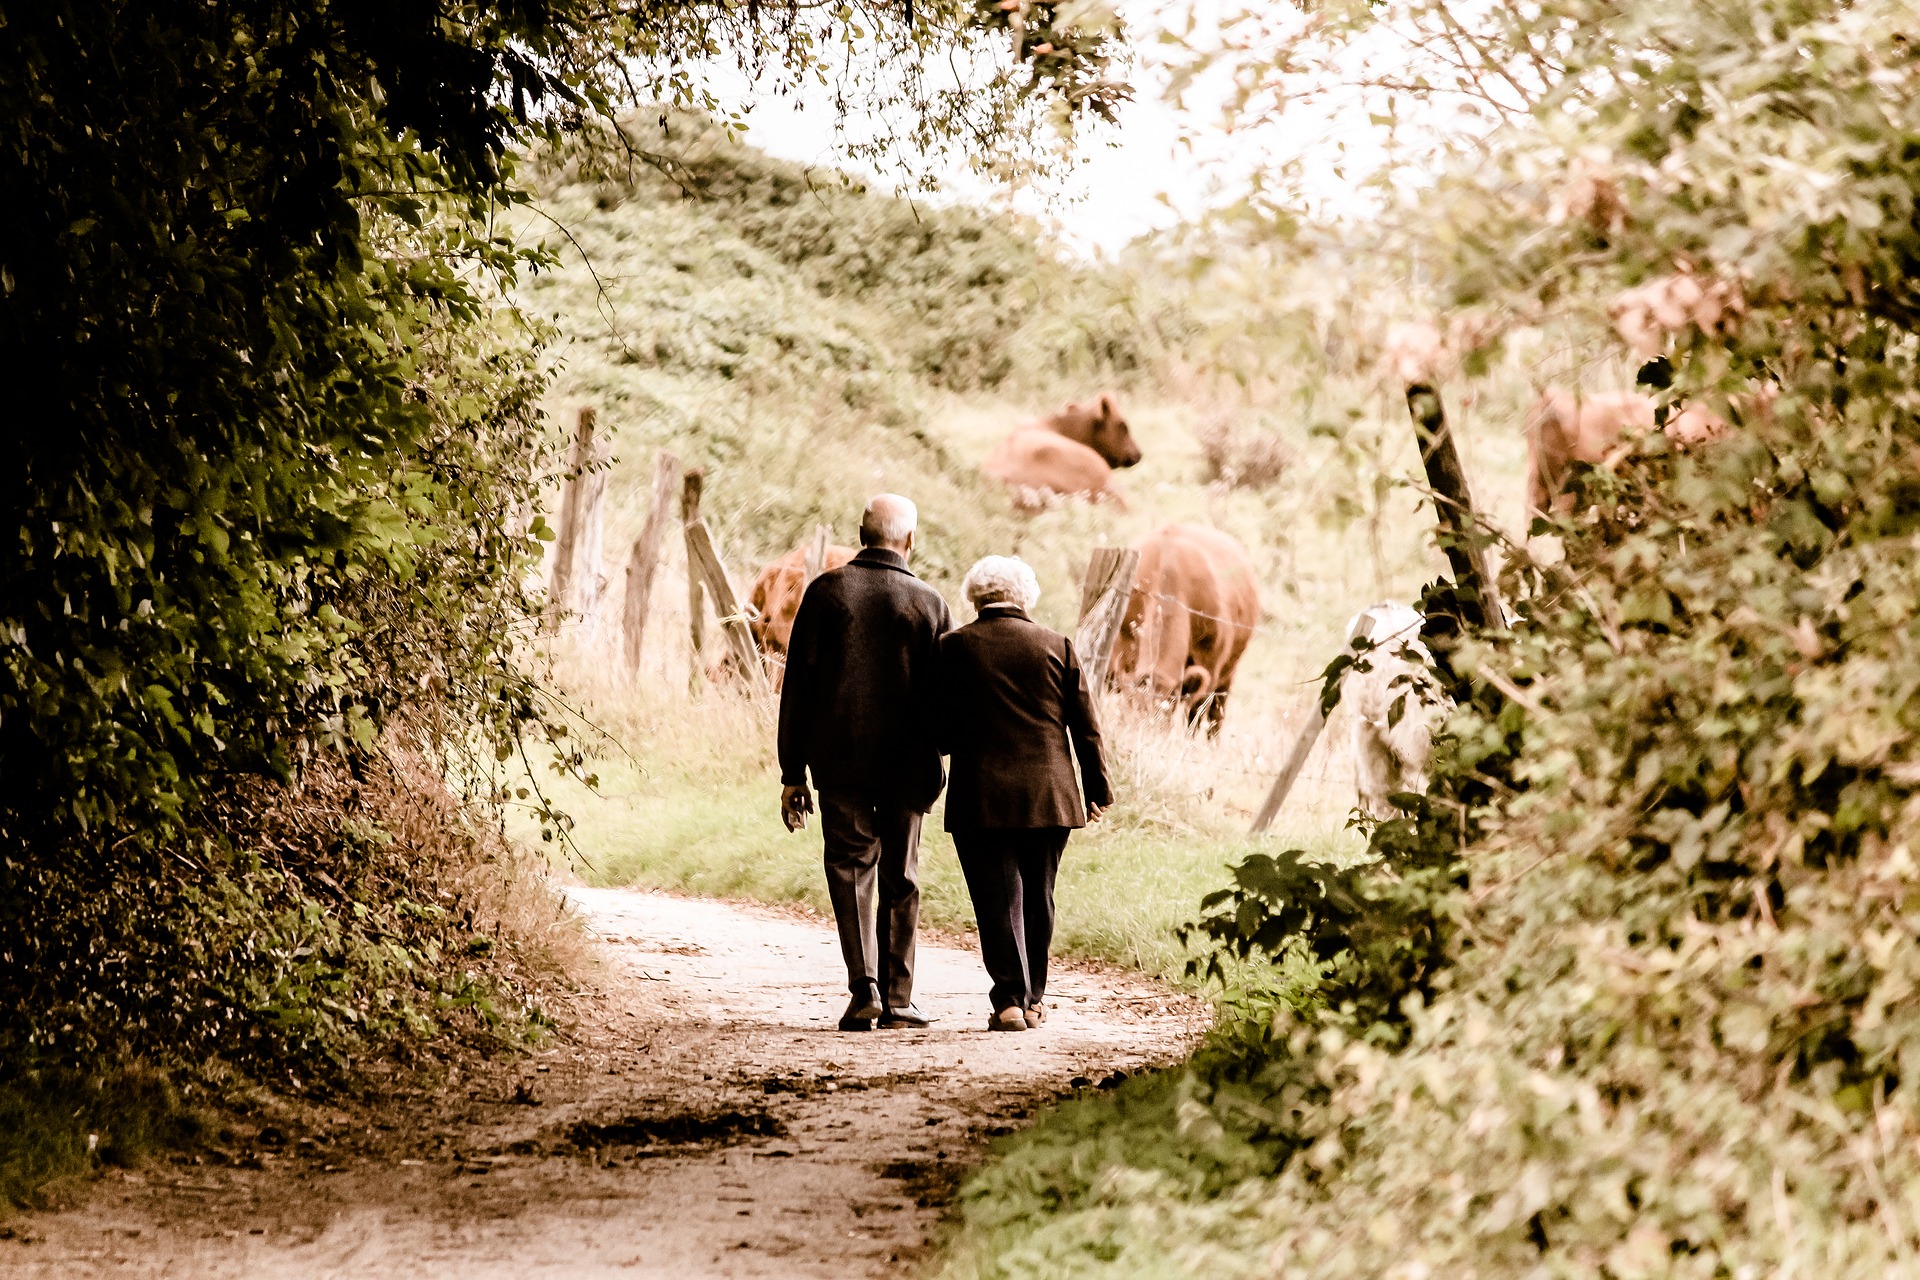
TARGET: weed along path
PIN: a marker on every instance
(701, 1118)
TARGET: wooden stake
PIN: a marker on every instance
(1302, 747)
(569, 538)
(817, 553)
(644, 561)
(1103, 607)
(703, 561)
(1453, 504)
(694, 481)
(1290, 770)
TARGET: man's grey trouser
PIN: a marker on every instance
(869, 840)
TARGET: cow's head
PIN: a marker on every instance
(1107, 433)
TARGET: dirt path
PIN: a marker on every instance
(702, 1119)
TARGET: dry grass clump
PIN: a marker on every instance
(500, 889)
(1243, 457)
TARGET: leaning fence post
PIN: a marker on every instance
(1103, 606)
(817, 550)
(690, 487)
(1290, 769)
(1453, 504)
(703, 561)
(1303, 744)
(644, 561)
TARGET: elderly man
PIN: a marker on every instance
(853, 711)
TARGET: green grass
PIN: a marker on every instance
(695, 809)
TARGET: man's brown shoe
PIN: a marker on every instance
(1036, 1014)
(1008, 1019)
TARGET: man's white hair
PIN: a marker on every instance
(887, 521)
(1001, 580)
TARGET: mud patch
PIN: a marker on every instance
(807, 1085)
(718, 1128)
(931, 1183)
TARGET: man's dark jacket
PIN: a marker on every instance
(1012, 699)
(855, 706)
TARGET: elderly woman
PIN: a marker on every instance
(1014, 712)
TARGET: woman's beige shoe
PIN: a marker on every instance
(1036, 1014)
(1008, 1019)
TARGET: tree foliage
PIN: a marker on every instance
(1673, 1033)
(274, 437)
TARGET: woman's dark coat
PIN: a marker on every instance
(1013, 712)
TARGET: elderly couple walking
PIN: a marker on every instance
(879, 685)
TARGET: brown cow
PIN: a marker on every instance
(1098, 426)
(1564, 428)
(774, 601)
(1194, 606)
(1069, 454)
(1039, 465)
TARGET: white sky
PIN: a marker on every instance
(1129, 180)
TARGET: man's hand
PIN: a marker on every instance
(795, 804)
(1096, 811)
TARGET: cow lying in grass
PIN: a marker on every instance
(1565, 427)
(1071, 454)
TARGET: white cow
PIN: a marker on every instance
(1390, 753)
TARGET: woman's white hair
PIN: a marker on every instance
(1001, 580)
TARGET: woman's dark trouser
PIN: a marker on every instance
(1010, 879)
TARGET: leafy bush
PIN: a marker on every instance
(1669, 1029)
(978, 300)
(58, 1124)
(1242, 457)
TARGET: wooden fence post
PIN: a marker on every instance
(1103, 606)
(1302, 747)
(1290, 768)
(1453, 504)
(691, 486)
(644, 561)
(703, 562)
(578, 577)
(817, 553)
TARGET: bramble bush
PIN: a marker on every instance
(1669, 1033)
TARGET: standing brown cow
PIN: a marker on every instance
(1071, 454)
(775, 599)
(1193, 608)
(1565, 427)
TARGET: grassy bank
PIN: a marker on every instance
(692, 807)
(810, 345)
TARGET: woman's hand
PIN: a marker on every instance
(1095, 811)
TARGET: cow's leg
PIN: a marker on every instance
(1550, 448)
(1173, 641)
(1216, 712)
(1373, 769)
